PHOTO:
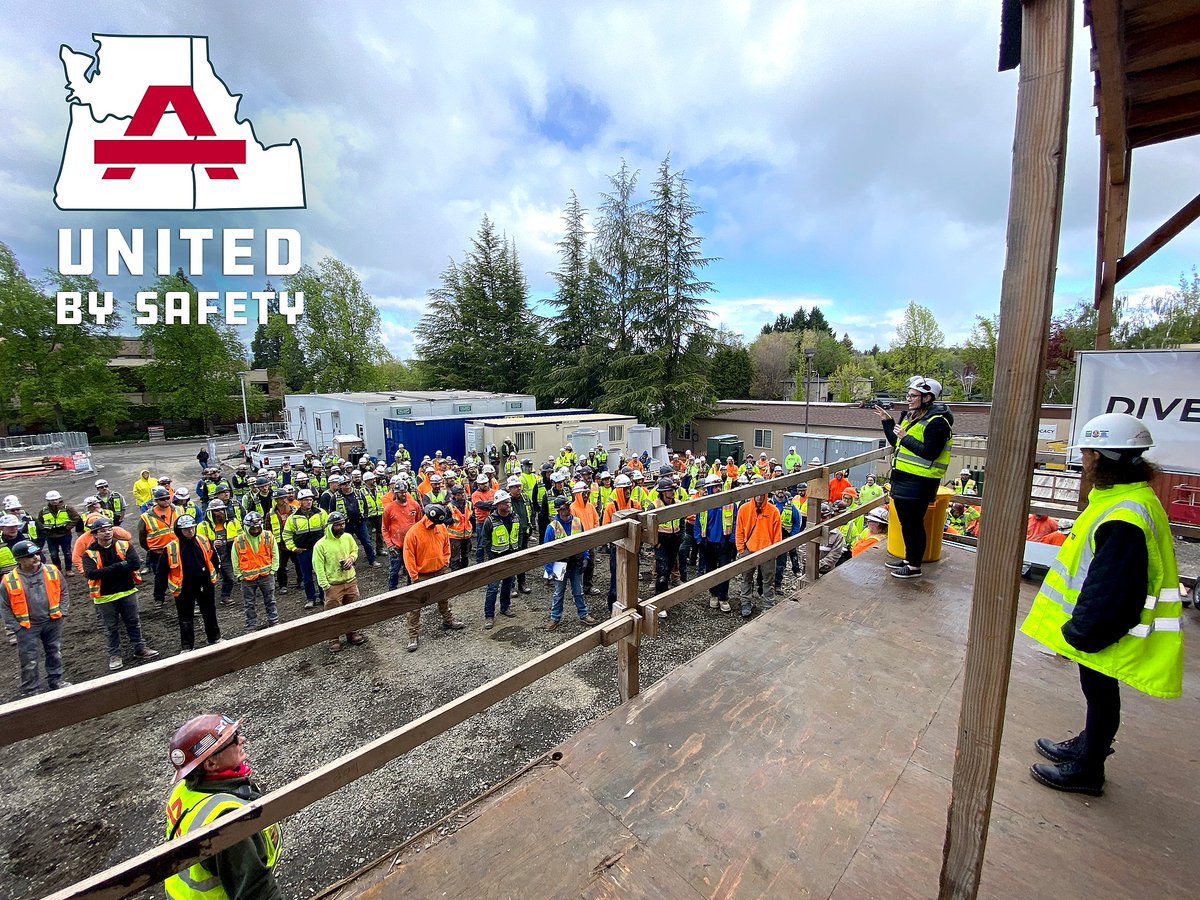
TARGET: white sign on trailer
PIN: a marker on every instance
(1160, 387)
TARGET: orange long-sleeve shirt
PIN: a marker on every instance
(617, 502)
(426, 549)
(398, 518)
(585, 512)
(1039, 527)
(757, 528)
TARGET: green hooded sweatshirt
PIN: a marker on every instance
(327, 557)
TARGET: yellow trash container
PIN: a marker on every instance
(935, 523)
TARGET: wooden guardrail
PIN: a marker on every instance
(632, 617)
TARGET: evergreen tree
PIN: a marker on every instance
(267, 344)
(667, 382)
(731, 373)
(618, 249)
(573, 374)
(479, 333)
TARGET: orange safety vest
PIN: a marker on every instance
(866, 542)
(94, 555)
(159, 531)
(20, 604)
(252, 565)
(175, 564)
(460, 526)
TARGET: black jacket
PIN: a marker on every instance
(937, 433)
(1114, 592)
(115, 574)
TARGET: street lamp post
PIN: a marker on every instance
(809, 353)
(245, 414)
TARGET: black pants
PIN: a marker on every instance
(156, 562)
(286, 556)
(714, 558)
(1103, 695)
(522, 544)
(666, 557)
(185, 605)
(911, 514)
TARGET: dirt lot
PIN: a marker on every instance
(95, 793)
(78, 801)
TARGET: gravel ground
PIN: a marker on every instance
(95, 792)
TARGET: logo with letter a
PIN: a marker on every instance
(153, 127)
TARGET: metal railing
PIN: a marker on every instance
(632, 619)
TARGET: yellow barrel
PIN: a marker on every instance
(935, 523)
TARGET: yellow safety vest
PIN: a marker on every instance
(1150, 656)
(188, 809)
(671, 527)
(905, 460)
(93, 553)
(504, 539)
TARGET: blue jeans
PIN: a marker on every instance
(395, 567)
(574, 574)
(48, 635)
(304, 559)
(112, 614)
(264, 587)
(504, 588)
(478, 542)
(362, 532)
(60, 544)
(781, 564)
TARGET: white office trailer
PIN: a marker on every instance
(317, 418)
(540, 436)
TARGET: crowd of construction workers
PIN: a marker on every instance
(313, 526)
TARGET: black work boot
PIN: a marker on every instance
(1077, 776)
(1064, 751)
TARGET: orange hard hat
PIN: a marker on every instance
(199, 738)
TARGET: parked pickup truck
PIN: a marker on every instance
(275, 453)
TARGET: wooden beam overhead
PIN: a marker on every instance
(1165, 81)
(1142, 14)
(1159, 238)
(1107, 39)
(1162, 112)
(1167, 131)
(1162, 45)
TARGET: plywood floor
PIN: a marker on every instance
(810, 755)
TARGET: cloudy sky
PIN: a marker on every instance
(855, 155)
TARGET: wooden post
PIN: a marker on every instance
(627, 550)
(818, 493)
(1026, 298)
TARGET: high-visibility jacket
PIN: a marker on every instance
(208, 528)
(667, 526)
(481, 497)
(189, 509)
(374, 501)
(789, 517)
(529, 480)
(757, 528)
(159, 525)
(869, 492)
(728, 512)
(188, 809)
(115, 504)
(303, 529)
(175, 564)
(585, 513)
(866, 542)
(1150, 656)
(618, 503)
(94, 584)
(601, 459)
(276, 521)
(142, 489)
(462, 524)
(790, 460)
(504, 539)
(20, 603)
(56, 520)
(905, 460)
(252, 563)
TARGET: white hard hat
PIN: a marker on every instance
(1112, 432)
(713, 479)
(558, 477)
(623, 481)
(501, 496)
(489, 470)
(9, 521)
(368, 476)
(815, 461)
(757, 479)
(925, 385)
(579, 487)
(482, 479)
(12, 502)
(53, 495)
(878, 514)
(513, 481)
